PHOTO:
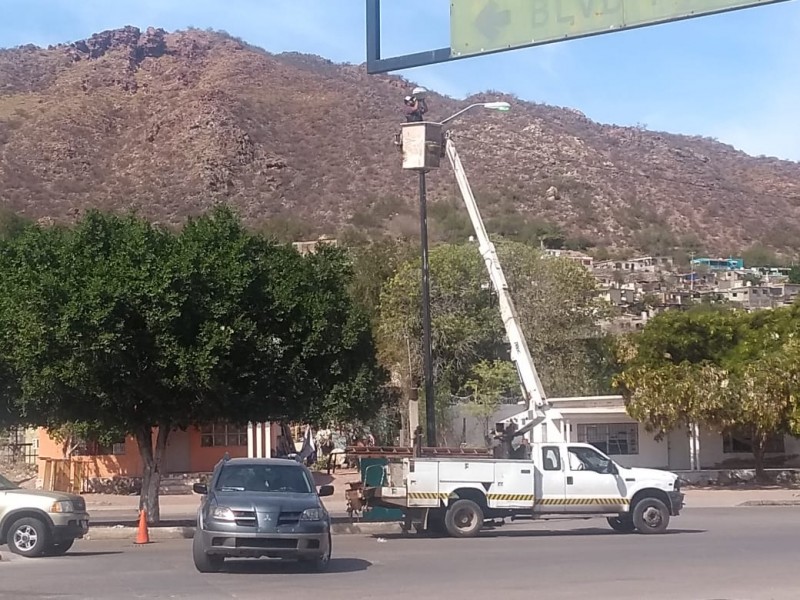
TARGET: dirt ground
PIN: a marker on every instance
(22, 474)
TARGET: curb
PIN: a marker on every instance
(770, 503)
(178, 533)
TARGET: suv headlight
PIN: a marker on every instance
(223, 513)
(64, 506)
(313, 514)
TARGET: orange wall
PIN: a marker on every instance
(201, 460)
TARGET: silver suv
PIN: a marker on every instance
(34, 523)
(256, 507)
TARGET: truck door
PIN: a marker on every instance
(551, 481)
(591, 484)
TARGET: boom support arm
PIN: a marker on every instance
(539, 410)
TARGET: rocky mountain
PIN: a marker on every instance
(170, 123)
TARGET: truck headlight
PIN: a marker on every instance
(64, 506)
(223, 513)
(312, 514)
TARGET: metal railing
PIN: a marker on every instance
(19, 452)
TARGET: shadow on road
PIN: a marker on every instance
(526, 533)
(83, 554)
(262, 566)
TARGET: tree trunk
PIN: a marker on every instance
(152, 461)
(759, 446)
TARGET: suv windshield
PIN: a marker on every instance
(5, 484)
(264, 478)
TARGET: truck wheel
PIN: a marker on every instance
(622, 524)
(650, 515)
(203, 562)
(28, 537)
(463, 519)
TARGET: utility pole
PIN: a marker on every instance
(427, 349)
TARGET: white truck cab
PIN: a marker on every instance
(458, 495)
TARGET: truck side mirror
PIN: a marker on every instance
(200, 488)
(612, 468)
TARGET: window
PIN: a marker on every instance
(264, 478)
(222, 435)
(586, 459)
(611, 438)
(551, 458)
(735, 442)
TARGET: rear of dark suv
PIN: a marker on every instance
(255, 508)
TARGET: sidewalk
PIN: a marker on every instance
(111, 509)
(124, 509)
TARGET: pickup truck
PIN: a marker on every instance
(456, 496)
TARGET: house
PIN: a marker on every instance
(647, 264)
(720, 264)
(579, 257)
(751, 297)
(604, 422)
(195, 450)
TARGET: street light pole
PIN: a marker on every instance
(419, 141)
(427, 349)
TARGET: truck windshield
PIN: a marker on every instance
(264, 478)
(5, 484)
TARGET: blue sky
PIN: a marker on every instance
(734, 76)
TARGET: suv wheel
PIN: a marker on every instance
(28, 537)
(321, 563)
(204, 562)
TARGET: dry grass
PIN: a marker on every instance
(169, 123)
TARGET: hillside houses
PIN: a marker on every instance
(640, 287)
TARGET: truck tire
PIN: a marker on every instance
(463, 519)
(650, 515)
(29, 537)
(622, 524)
(203, 562)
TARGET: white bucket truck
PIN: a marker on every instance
(455, 491)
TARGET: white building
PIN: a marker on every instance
(604, 422)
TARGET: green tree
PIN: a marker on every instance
(137, 329)
(491, 381)
(554, 297)
(726, 370)
(794, 274)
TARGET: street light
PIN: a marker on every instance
(501, 106)
(424, 160)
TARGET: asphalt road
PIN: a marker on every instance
(710, 554)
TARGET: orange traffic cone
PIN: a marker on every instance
(143, 535)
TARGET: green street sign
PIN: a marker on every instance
(483, 26)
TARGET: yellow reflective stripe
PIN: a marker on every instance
(427, 496)
(582, 501)
(511, 497)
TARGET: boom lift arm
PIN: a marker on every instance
(541, 419)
